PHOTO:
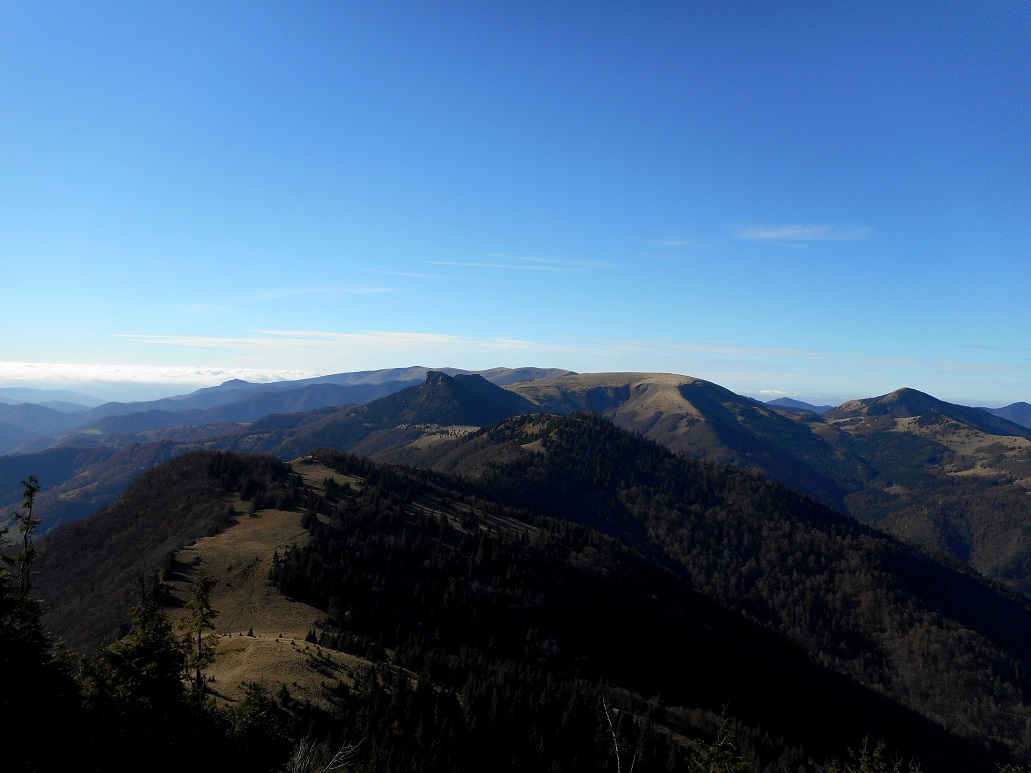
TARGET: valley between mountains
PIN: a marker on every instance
(485, 571)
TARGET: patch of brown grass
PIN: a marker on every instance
(261, 632)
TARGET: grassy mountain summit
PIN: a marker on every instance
(908, 403)
(704, 420)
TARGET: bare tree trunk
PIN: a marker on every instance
(615, 739)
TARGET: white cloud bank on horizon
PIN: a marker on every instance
(50, 375)
(812, 375)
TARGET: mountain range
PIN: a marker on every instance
(949, 479)
(822, 575)
(33, 420)
(567, 545)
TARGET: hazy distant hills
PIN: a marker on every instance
(29, 427)
(1019, 413)
(281, 417)
(62, 399)
(790, 404)
(26, 422)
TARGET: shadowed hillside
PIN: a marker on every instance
(440, 401)
(564, 551)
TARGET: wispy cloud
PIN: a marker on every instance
(225, 305)
(370, 345)
(681, 244)
(501, 261)
(485, 264)
(300, 292)
(382, 348)
(398, 339)
(801, 234)
(717, 349)
(419, 275)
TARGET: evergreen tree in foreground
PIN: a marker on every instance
(38, 691)
(200, 617)
(136, 684)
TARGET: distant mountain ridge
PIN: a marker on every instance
(909, 403)
(27, 427)
(15, 395)
(259, 421)
(790, 404)
(1018, 413)
(441, 401)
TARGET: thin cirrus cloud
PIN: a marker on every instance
(367, 343)
(265, 296)
(494, 260)
(801, 234)
(380, 339)
(423, 275)
(683, 244)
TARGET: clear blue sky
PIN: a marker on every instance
(820, 199)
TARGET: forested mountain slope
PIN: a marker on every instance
(457, 584)
(564, 551)
(441, 401)
(856, 600)
(89, 570)
(704, 420)
(949, 479)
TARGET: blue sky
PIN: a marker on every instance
(815, 199)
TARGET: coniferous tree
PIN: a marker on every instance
(133, 690)
(142, 673)
(199, 618)
(35, 682)
(27, 524)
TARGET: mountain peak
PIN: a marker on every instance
(912, 401)
(903, 403)
(906, 403)
(437, 377)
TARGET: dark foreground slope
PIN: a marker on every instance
(855, 600)
(547, 564)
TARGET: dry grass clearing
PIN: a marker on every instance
(261, 633)
(980, 453)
